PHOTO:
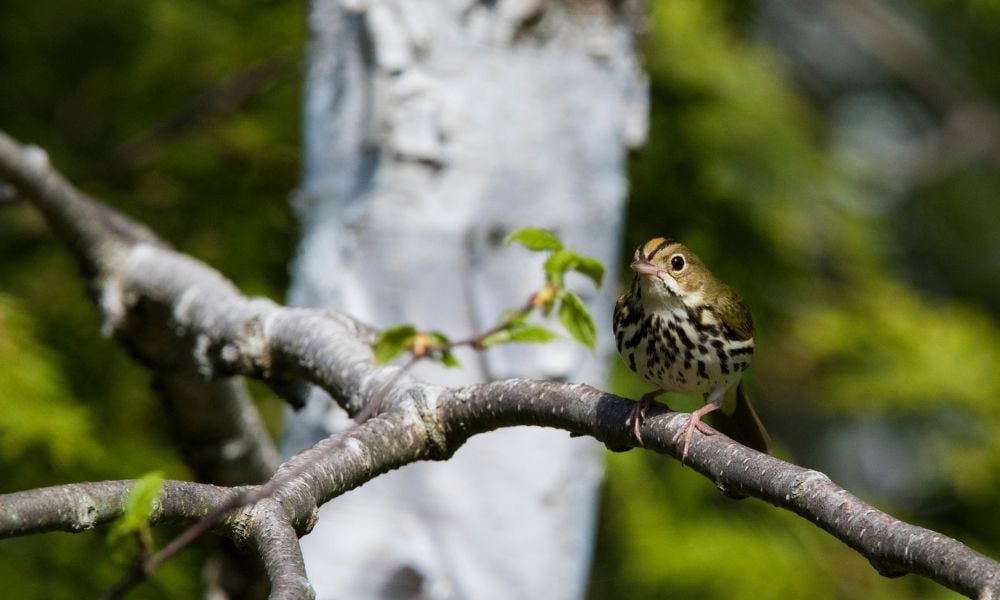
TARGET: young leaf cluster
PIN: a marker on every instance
(513, 325)
(573, 314)
(398, 339)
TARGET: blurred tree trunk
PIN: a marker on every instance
(432, 129)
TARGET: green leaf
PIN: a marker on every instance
(436, 339)
(535, 239)
(392, 342)
(532, 334)
(437, 343)
(591, 267)
(516, 316)
(577, 320)
(519, 332)
(138, 506)
(448, 359)
(497, 337)
(565, 260)
(557, 264)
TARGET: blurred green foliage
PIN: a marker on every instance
(140, 104)
(39, 414)
(877, 328)
(876, 308)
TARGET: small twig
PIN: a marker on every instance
(216, 102)
(134, 577)
(477, 340)
(372, 407)
(149, 565)
(239, 499)
(420, 349)
(255, 495)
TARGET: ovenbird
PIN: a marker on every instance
(685, 331)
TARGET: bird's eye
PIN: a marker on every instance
(677, 262)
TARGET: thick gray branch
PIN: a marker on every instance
(215, 423)
(893, 547)
(227, 333)
(276, 541)
(78, 507)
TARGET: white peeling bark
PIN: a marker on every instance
(432, 129)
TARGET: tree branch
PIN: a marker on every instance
(149, 287)
(217, 426)
(277, 542)
(893, 547)
(78, 507)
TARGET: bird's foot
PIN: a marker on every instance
(635, 418)
(638, 413)
(693, 422)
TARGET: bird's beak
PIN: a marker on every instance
(643, 267)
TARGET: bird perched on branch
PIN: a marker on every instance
(683, 330)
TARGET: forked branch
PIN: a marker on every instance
(144, 286)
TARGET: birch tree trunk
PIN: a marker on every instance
(432, 129)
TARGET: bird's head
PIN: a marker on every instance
(670, 271)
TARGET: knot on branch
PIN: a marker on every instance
(437, 440)
(803, 483)
(249, 351)
(241, 526)
(86, 515)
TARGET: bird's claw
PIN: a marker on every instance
(638, 413)
(635, 419)
(687, 432)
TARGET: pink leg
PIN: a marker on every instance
(694, 422)
(638, 414)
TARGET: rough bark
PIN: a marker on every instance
(227, 444)
(436, 421)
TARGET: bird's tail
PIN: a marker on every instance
(742, 423)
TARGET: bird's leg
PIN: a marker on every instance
(638, 413)
(712, 402)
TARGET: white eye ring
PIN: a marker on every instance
(677, 263)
